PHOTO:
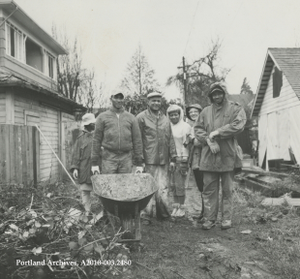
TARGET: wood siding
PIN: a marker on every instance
(31, 112)
(13, 65)
(2, 108)
(287, 98)
(18, 154)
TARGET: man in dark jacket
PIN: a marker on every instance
(117, 132)
(81, 159)
(159, 153)
(216, 128)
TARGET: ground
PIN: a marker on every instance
(262, 243)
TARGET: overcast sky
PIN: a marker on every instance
(109, 32)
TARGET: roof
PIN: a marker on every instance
(8, 79)
(23, 19)
(286, 60)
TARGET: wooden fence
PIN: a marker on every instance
(19, 154)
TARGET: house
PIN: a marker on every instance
(277, 107)
(29, 97)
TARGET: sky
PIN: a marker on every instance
(109, 32)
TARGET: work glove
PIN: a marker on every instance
(213, 145)
(95, 170)
(75, 173)
(213, 134)
(172, 167)
(139, 169)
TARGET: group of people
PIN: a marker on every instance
(170, 149)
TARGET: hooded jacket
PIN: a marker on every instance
(81, 158)
(179, 131)
(117, 133)
(229, 119)
(158, 143)
(195, 151)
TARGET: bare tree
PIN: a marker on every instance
(90, 93)
(201, 73)
(70, 72)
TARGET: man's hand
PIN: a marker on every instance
(75, 173)
(213, 134)
(139, 169)
(95, 170)
(213, 145)
(172, 167)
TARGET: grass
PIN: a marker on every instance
(276, 229)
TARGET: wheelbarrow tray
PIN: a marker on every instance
(124, 191)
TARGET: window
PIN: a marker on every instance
(50, 65)
(26, 50)
(277, 82)
(15, 43)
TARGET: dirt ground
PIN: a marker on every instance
(182, 249)
(263, 243)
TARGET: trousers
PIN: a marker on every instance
(211, 195)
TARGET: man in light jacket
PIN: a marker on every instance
(159, 154)
(216, 128)
(117, 132)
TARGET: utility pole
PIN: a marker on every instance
(184, 81)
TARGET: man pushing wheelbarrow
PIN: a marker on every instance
(117, 133)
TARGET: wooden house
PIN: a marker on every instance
(29, 97)
(277, 106)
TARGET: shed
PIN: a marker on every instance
(29, 97)
(277, 106)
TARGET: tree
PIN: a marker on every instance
(70, 72)
(245, 88)
(74, 81)
(139, 78)
(90, 94)
(201, 73)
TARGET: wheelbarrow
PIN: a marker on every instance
(125, 195)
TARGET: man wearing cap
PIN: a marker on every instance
(216, 128)
(117, 132)
(81, 159)
(159, 153)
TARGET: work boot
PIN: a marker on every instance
(175, 209)
(181, 211)
(226, 224)
(208, 225)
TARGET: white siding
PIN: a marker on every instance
(47, 119)
(286, 99)
(2, 108)
(279, 131)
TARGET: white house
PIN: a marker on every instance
(29, 97)
(277, 106)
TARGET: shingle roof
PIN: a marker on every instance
(288, 61)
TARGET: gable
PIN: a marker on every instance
(286, 60)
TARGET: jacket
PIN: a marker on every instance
(229, 119)
(81, 157)
(158, 143)
(118, 134)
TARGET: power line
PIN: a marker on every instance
(191, 27)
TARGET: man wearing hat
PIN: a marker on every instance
(117, 132)
(216, 128)
(81, 159)
(159, 153)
